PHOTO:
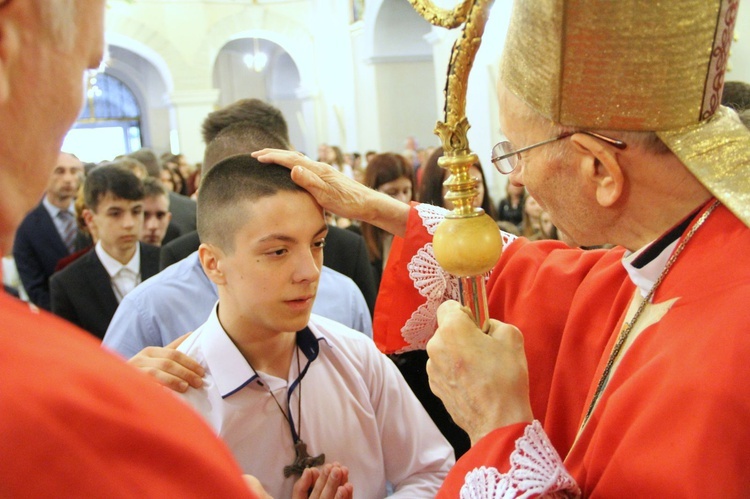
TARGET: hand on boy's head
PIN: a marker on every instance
(333, 190)
(171, 368)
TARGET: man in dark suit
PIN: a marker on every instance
(183, 210)
(88, 291)
(49, 232)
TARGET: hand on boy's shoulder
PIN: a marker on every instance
(170, 367)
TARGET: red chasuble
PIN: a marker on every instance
(75, 421)
(673, 420)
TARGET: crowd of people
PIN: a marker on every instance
(296, 307)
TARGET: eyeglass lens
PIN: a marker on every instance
(504, 164)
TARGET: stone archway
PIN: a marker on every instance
(278, 82)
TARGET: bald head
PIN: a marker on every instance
(64, 181)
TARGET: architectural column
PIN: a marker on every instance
(190, 108)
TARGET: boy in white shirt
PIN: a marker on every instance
(284, 389)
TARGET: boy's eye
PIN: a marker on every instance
(319, 244)
(278, 252)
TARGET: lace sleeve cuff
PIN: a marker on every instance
(535, 470)
(431, 282)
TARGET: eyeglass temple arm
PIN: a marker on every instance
(613, 142)
(609, 140)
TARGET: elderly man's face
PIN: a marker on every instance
(551, 180)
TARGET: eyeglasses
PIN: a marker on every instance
(505, 158)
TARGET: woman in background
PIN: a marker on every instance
(532, 213)
(510, 207)
(390, 174)
(432, 191)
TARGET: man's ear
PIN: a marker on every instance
(88, 217)
(210, 257)
(10, 46)
(600, 167)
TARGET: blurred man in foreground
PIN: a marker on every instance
(76, 422)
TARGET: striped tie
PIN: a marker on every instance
(69, 229)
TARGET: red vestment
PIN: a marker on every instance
(672, 421)
(75, 421)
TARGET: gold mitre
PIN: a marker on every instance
(637, 65)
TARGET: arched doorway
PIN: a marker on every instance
(259, 68)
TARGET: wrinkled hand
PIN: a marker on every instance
(338, 193)
(169, 367)
(330, 481)
(481, 378)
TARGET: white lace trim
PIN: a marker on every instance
(431, 216)
(431, 281)
(535, 470)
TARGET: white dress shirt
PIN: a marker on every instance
(356, 408)
(124, 278)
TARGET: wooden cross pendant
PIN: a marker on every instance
(302, 460)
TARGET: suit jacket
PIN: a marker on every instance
(82, 291)
(173, 232)
(179, 248)
(182, 209)
(36, 250)
(345, 252)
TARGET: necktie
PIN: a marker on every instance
(123, 282)
(69, 229)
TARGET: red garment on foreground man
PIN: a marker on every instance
(115, 435)
(672, 421)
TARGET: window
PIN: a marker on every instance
(109, 124)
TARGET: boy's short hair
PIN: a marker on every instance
(111, 179)
(239, 138)
(224, 189)
(152, 187)
(149, 160)
(132, 164)
(253, 111)
(736, 95)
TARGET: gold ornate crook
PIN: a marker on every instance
(467, 243)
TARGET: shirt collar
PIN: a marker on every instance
(229, 368)
(113, 266)
(645, 265)
(54, 210)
